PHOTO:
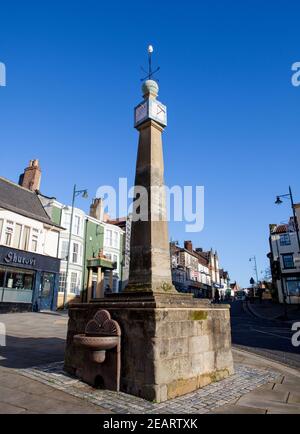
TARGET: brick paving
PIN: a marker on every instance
(204, 400)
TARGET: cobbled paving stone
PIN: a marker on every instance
(201, 401)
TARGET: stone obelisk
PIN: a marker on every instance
(172, 344)
(150, 269)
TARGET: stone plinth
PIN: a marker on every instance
(171, 344)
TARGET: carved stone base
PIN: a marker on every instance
(171, 345)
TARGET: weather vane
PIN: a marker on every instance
(149, 73)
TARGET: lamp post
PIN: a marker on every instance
(252, 282)
(279, 202)
(253, 258)
(76, 193)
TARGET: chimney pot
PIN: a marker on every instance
(188, 245)
(96, 209)
(31, 177)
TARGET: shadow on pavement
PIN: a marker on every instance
(26, 352)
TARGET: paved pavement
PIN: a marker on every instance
(19, 394)
(32, 381)
(34, 339)
(271, 339)
(211, 397)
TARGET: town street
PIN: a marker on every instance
(30, 367)
(267, 338)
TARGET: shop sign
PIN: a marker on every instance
(13, 258)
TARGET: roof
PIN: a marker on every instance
(22, 201)
(120, 222)
(223, 274)
(280, 229)
(198, 255)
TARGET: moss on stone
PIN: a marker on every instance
(219, 375)
(183, 386)
(166, 287)
(198, 315)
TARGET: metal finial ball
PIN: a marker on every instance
(150, 49)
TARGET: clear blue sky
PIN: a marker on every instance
(73, 78)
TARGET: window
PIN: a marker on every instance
(76, 228)
(293, 286)
(67, 221)
(285, 240)
(288, 261)
(8, 233)
(75, 253)
(25, 240)
(18, 285)
(1, 226)
(62, 282)
(17, 236)
(74, 286)
(34, 240)
(115, 240)
(64, 250)
(108, 238)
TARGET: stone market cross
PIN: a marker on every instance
(171, 343)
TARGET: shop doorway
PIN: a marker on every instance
(46, 292)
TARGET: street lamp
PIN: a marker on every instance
(253, 258)
(76, 193)
(279, 202)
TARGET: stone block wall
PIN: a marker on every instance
(165, 351)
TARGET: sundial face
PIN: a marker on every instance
(158, 112)
(141, 113)
(150, 109)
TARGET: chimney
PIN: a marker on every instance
(96, 209)
(31, 178)
(188, 245)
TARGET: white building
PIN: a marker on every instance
(224, 283)
(29, 263)
(190, 270)
(62, 214)
(285, 260)
(90, 235)
(112, 250)
(125, 224)
(196, 270)
(28, 233)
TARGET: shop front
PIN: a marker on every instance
(28, 281)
